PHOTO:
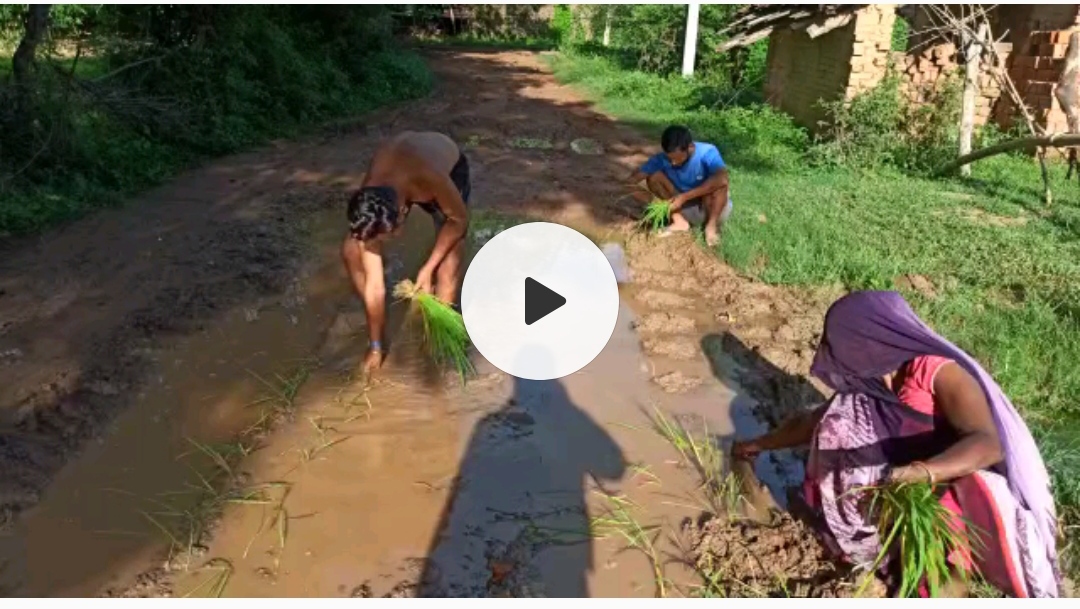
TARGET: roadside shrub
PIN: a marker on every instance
(171, 83)
(881, 128)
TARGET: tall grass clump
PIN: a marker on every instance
(444, 328)
(922, 534)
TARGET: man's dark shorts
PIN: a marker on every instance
(459, 175)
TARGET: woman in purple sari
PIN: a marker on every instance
(910, 405)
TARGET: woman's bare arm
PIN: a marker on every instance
(964, 405)
(796, 431)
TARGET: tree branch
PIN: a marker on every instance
(1055, 140)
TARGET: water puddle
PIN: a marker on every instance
(410, 485)
(98, 524)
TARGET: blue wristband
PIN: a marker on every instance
(376, 345)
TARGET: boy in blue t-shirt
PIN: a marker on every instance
(688, 173)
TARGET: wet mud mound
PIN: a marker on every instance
(741, 558)
(764, 336)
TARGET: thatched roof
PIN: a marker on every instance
(757, 21)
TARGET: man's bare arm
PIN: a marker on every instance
(715, 182)
(374, 291)
(453, 229)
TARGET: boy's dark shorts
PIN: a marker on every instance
(459, 175)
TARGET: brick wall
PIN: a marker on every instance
(853, 58)
(925, 73)
(1037, 35)
(804, 71)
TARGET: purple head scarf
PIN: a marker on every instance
(870, 334)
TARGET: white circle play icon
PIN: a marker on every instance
(540, 301)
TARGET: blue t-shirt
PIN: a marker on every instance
(701, 166)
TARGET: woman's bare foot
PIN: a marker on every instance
(712, 238)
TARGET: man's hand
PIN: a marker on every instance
(373, 360)
(678, 201)
(423, 280)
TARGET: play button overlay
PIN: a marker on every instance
(540, 301)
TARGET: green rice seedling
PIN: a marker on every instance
(222, 572)
(923, 534)
(656, 216)
(444, 329)
(618, 522)
(281, 399)
(721, 489)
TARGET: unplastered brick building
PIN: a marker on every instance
(829, 52)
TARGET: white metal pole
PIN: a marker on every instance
(690, 46)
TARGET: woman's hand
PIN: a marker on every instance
(910, 473)
(747, 450)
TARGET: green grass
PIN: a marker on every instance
(1005, 270)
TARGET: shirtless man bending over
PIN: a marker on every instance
(424, 169)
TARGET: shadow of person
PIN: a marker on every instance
(515, 523)
(765, 396)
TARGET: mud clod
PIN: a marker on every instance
(780, 559)
(677, 382)
(679, 348)
(665, 323)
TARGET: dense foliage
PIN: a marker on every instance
(122, 96)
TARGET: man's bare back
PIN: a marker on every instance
(404, 160)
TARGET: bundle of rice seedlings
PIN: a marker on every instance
(444, 329)
(923, 533)
(657, 215)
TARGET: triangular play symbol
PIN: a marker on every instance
(539, 301)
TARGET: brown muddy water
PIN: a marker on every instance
(411, 484)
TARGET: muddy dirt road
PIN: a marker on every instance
(136, 346)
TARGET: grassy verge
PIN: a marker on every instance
(992, 268)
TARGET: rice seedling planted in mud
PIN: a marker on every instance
(922, 534)
(444, 329)
(720, 487)
(656, 216)
(619, 522)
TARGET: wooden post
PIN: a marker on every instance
(690, 44)
(973, 48)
